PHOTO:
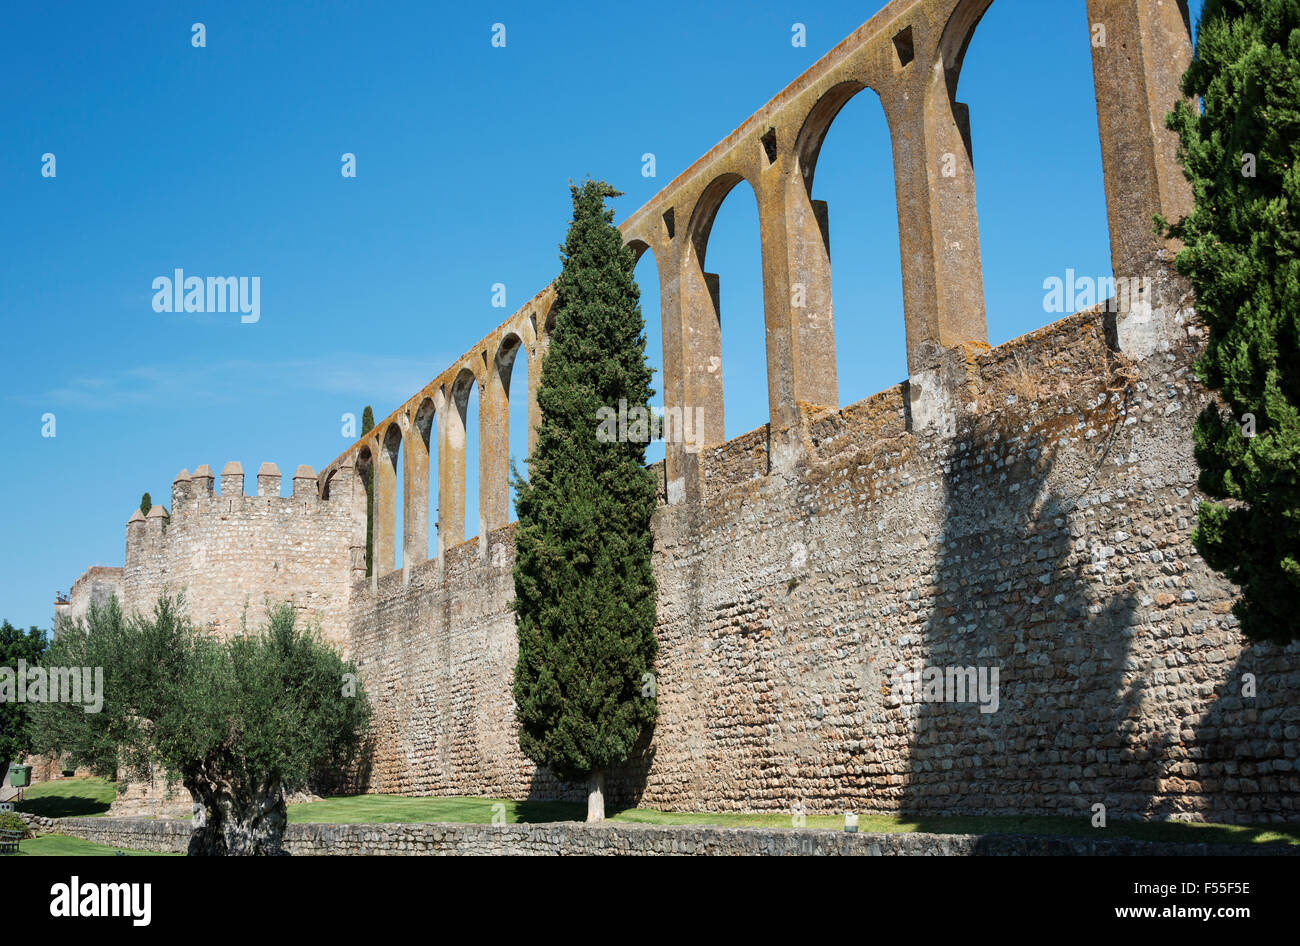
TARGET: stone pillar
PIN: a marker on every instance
(232, 480)
(134, 541)
(137, 566)
(692, 359)
(304, 483)
(679, 468)
(182, 487)
(268, 480)
(800, 331)
(699, 340)
(451, 473)
(494, 447)
(156, 523)
(938, 229)
(202, 482)
(534, 380)
(539, 342)
(385, 529)
(415, 498)
(1137, 74)
(349, 485)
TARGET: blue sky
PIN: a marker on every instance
(225, 160)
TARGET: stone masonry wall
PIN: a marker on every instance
(567, 838)
(151, 797)
(1047, 536)
(437, 654)
(95, 586)
(231, 553)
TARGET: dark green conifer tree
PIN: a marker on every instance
(584, 583)
(145, 504)
(1242, 256)
(15, 729)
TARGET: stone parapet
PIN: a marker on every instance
(571, 838)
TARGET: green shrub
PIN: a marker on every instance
(1241, 151)
(9, 821)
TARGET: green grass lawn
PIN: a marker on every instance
(92, 796)
(360, 809)
(58, 845)
(67, 798)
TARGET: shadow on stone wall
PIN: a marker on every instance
(350, 779)
(624, 786)
(1021, 586)
(1237, 757)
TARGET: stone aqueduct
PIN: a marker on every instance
(1025, 507)
(910, 54)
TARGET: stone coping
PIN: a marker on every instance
(577, 838)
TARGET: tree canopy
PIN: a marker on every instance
(237, 722)
(15, 645)
(1241, 153)
(584, 582)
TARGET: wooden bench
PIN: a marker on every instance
(9, 841)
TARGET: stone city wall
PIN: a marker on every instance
(95, 586)
(232, 553)
(1024, 510)
(1047, 537)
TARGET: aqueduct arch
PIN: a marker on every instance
(811, 233)
(701, 332)
(910, 53)
(416, 465)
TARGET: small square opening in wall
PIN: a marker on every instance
(903, 46)
(668, 222)
(769, 145)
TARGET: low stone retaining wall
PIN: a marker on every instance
(570, 838)
(39, 822)
(138, 834)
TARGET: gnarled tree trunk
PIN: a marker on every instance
(236, 820)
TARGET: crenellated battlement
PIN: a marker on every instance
(197, 493)
(230, 551)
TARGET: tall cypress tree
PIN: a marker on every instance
(145, 504)
(584, 582)
(1242, 256)
(367, 425)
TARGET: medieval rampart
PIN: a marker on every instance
(231, 554)
(1023, 510)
